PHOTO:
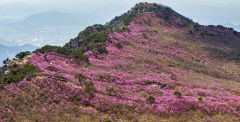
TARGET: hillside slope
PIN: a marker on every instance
(150, 64)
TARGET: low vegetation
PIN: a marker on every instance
(18, 73)
(21, 55)
(150, 73)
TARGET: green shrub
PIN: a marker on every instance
(174, 77)
(79, 56)
(52, 68)
(46, 48)
(202, 94)
(89, 89)
(14, 65)
(16, 75)
(177, 93)
(107, 121)
(235, 32)
(94, 37)
(101, 49)
(80, 77)
(149, 82)
(56, 49)
(127, 19)
(145, 35)
(21, 55)
(119, 46)
(110, 91)
(151, 99)
(125, 29)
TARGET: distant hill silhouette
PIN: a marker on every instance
(11, 51)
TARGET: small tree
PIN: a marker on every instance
(21, 55)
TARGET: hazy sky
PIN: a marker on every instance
(202, 11)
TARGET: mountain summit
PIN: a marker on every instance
(149, 64)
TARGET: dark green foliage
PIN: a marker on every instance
(93, 29)
(63, 51)
(177, 93)
(149, 82)
(145, 35)
(89, 89)
(202, 94)
(95, 37)
(16, 75)
(52, 68)
(110, 91)
(173, 77)
(125, 19)
(159, 85)
(21, 55)
(79, 56)
(80, 77)
(92, 41)
(101, 49)
(106, 78)
(14, 65)
(190, 32)
(46, 48)
(128, 19)
(55, 49)
(107, 121)
(125, 29)
(91, 38)
(235, 32)
(76, 54)
(151, 99)
(119, 46)
(155, 31)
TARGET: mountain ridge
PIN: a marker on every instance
(143, 67)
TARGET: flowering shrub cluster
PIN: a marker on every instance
(127, 80)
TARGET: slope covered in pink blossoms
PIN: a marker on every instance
(156, 71)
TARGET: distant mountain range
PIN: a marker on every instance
(55, 18)
(51, 27)
(11, 51)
